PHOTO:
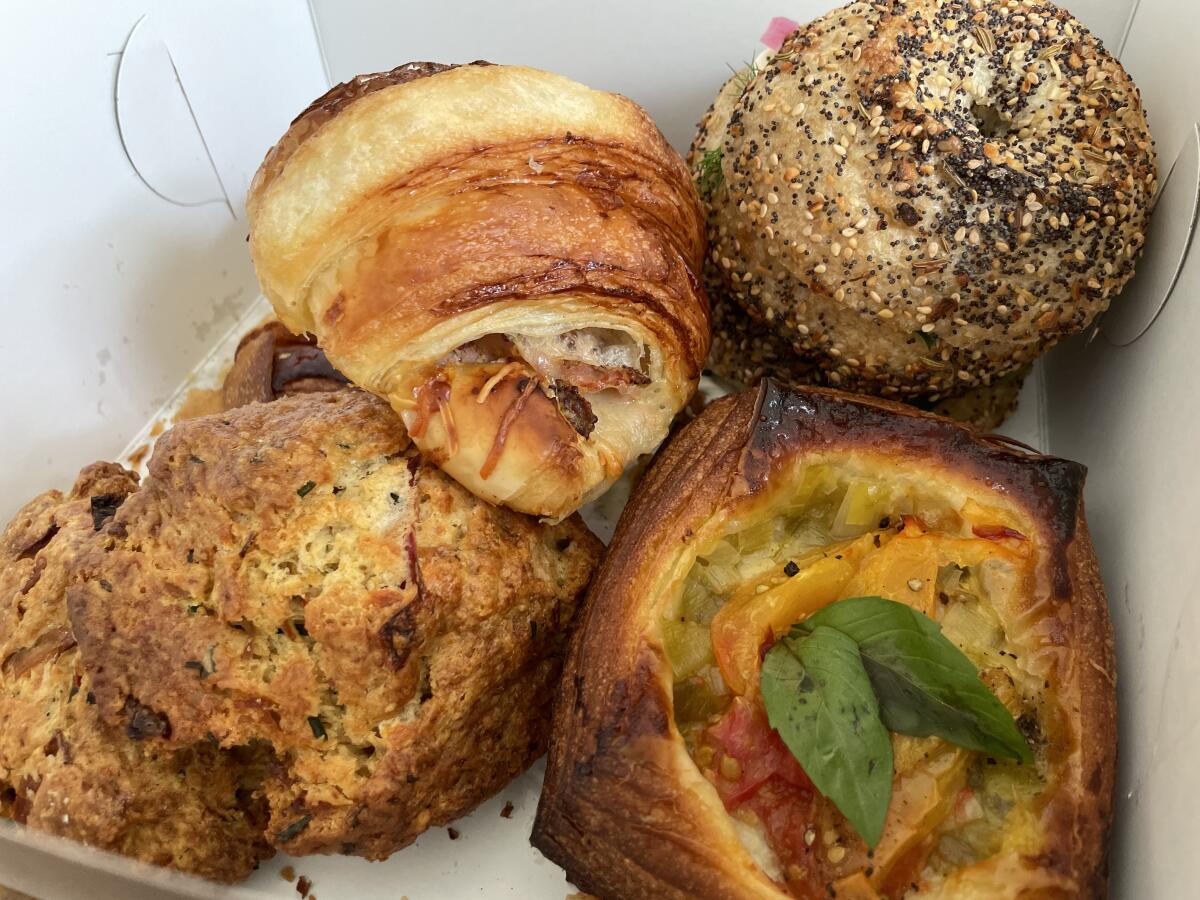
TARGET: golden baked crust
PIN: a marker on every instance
(625, 808)
(292, 575)
(890, 181)
(332, 102)
(411, 214)
(65, 772)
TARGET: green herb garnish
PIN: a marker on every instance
(929, 339)
(317, 726)
(860, 667)
(292, 830)
(819, 699)
(925, 684)
(746, 74)
(710, 176)
(305, 488)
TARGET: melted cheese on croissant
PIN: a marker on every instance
(516, 412)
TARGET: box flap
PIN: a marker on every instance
(96, 263)
(1123, 400)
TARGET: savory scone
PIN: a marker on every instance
(65, 772)
(294, 575)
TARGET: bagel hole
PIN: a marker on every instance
(989, 121)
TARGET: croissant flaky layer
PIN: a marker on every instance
(499, 252)
(660, 783)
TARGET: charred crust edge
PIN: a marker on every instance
(790, 421)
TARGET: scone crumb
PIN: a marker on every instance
(303, 886)
(287, 873)
(507, 812)
(454, 833)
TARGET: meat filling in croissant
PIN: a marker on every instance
(566, 367)
(597, 383)
(844, 534)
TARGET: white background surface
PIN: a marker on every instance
(111, 295)
(1132, 413)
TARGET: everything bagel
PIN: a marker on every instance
(921, 197)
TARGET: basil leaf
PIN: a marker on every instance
(819, 698)
(925, 684)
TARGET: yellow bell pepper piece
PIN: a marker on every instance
(854, 887)
(922, 798)
(906, 569)
(743, 624)
(903, 568)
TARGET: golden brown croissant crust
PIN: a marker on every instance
(336, 99)
(409, 216)
(641, 173)
(625, 809)
(603, 205)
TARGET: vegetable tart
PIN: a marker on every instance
(839, 647)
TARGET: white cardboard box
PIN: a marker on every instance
(130, 133)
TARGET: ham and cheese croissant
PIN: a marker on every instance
(507, 256)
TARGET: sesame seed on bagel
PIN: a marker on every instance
(745, 350)
(922, 196)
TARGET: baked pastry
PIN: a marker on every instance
(507, 256)
(668, 775)
(63, 770)
(921, 197)
(293, 576)
(271, 362)
(745, 350)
